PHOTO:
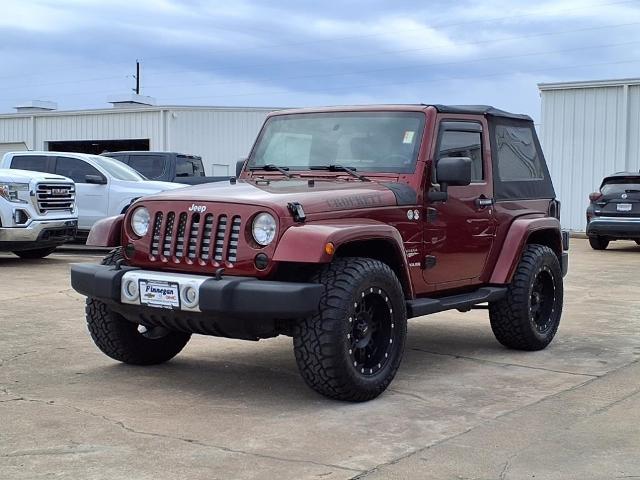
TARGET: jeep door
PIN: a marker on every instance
(459, 232)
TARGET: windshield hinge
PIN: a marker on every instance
(297, 211)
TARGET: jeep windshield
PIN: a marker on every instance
(362, 141)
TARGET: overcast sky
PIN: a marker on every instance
(299, 53)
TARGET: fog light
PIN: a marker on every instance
(189, 296)
(129, 250)
(261, 261)
(20, 217)
(130, 289)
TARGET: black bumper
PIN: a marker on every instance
(231, 297)
(622, 228)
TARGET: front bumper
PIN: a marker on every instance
(614, 227)
(39, 233)
(223, 303)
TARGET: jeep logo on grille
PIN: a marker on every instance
(197, 208)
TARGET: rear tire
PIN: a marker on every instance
(598, 243)
(35, 253)
(352, 348)
(527, 318)
(120, 339)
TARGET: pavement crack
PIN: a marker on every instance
(493, 362)
(190, 441)
(616, 402)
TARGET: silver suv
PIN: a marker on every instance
(37, 212)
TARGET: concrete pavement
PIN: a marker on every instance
(461, 405)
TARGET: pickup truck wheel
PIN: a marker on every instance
(123, 340)
(598, 243)
(35, 253)
(352, 348)
(529, 315)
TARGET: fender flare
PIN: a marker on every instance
(305, 243)
(106, 232)
(517, 237)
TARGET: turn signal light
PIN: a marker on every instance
(329, 248)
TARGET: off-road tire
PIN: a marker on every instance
(35, 253)
(120, 339)
(512, 320)
(598, 243)
(323, 343)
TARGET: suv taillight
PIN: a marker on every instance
(595, 196)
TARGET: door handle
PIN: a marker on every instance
(483, 202)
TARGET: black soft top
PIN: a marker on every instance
(481, 110)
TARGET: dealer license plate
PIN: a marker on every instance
(624, 207)
(159, 294)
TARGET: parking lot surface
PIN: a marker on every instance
(461, 406)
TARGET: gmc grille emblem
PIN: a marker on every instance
(197, 208)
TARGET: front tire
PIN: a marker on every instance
(35, 253)
(527, 318)
(121, 340)
(352, 348)
(598, 243)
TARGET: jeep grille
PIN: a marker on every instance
(195, 237)
(55, 197)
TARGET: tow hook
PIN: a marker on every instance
(153, 333)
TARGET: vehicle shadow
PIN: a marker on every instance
(269, 376)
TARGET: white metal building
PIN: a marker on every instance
(588, 130)
(220, 135)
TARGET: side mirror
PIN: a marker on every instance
(453, 172)
(239, 165)
(95, 179)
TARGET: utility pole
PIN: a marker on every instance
(137, 77)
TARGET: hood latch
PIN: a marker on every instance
(297, 211)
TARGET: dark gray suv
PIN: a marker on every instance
(614, 211)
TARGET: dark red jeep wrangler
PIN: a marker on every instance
(342, 224)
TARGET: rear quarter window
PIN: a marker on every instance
(35, 163)
(518, 158)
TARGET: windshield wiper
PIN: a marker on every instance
(340, 168)
(270, 167)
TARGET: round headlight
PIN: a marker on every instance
(264, 229)
(140, 221)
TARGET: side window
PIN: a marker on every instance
(34, 163)
(518, 158)
(75, 169)
(151, 166)
(185, 168)
(455, 143)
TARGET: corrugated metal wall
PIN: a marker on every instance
(220, 135)
(99, 126)
(588, 133)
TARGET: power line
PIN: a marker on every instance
(436, 26)
(348, 57)
(420, 82)
(405, 67)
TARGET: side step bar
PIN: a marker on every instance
(463, 301)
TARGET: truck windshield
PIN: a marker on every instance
(117, 169)
(362, 141)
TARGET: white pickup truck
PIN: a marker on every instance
(37, 212)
